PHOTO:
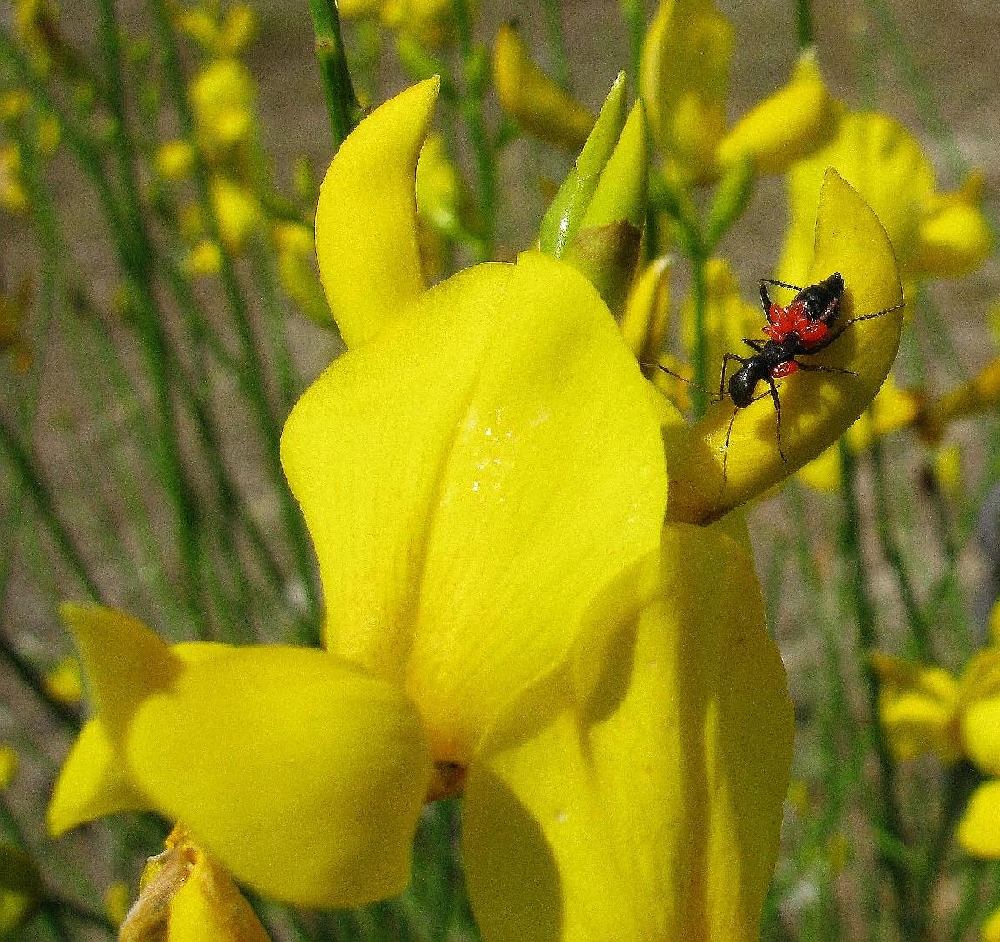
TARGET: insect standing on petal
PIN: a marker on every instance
(802, 328)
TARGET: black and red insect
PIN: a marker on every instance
(805, 326)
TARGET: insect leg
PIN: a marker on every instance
(756, 345)
(780, 284)
(817, 368)
(777, 411)
(854, 320)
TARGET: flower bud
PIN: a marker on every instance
(532, 98)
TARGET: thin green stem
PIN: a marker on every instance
(699, 297)
(137, 263)
(804, 23)
(885, 814)
(557, 43)
(920, 635)
(473, 90)
(341, 104)
(32, 480)
(252, 376)
(634, 15)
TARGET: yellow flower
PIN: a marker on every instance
(185, 894)
(483, 477)
(8, 765)
(13, 196)
(646, 318)
(297, 271)
(933, 234)
(685, 84)
(918, 708)
(65, 682)
(174, 160)
(532, 98)
(222, 96)
(222, 34)
(237, 210)
(116, 902)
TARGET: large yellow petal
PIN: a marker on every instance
(645, 805)
(470, 479)
(366, 220)
(302, 774)
(817, 407)
(979, 829)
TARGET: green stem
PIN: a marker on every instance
(699, 296)
(920, 636)
(804, 23)
(557, 43)
(634, 15)
(251, 377)
(473, 90)
(341, 104)
(31, 479)
(885, 814)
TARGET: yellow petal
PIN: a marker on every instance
(222, 96)
(918, 708)
(647, 311)
(795, 121)
(470, 479)
(991, 928)
(645, 805)
(187, 897)
(684, 80)
(366, 220)
(979, 829)
(954, 238)
(980, 698)
(302, 774)
(978, 395)
(816, 407)
(880, 159)
(92, 783)
(823, 472)
(533, 99)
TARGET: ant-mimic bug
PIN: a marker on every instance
(802, 328)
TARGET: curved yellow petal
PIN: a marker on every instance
(795, 121)
(366, 220)
(92, 783)
(533, 99)
(816, 407)
(979, 829)
(880, 159)
(647, 804)
(469, 480)
(646, 318)
(684, 80)
(303, 775)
